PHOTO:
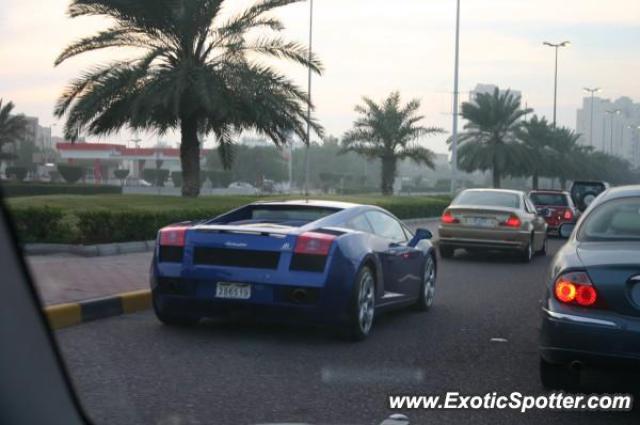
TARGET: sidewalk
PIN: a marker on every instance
(69, 278)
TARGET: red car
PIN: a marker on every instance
(555, 206)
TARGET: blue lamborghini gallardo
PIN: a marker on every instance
(316, 261)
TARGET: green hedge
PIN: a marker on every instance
(71, 173)
(19, 173)
(37, 189)
(45, 224)
(41, 224)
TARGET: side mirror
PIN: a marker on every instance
(421, 234)
(566, 230)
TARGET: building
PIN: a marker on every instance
(104, 158)
(611, 126)
(488, 89)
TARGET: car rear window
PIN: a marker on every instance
(617, 220)
(558, 199)
(488, 198)
(286, 213)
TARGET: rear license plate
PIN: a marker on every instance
(480, 222)
(236, 291)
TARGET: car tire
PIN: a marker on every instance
(362, 307)
(171, 318)
(587, 196)
(526, 255)
(428, 286)
(558, 377)
(446, 251)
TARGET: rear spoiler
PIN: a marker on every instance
(246, 230)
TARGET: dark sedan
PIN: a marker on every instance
(591, 307)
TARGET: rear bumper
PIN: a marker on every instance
(268, 302)
(595, 339)
(462, 237)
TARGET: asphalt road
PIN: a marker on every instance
(132, 370)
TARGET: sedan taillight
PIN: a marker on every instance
(448, 218)
(513, 221)
(575, 288)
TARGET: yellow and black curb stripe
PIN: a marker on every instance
(70, 314)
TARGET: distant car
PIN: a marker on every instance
(325, 262)
(242, 188)
(136, 181)
(591, 306)
(584, 192)
(555, 206)
(492, 219)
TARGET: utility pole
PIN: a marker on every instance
(454, 136)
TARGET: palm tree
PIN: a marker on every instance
(389, 131)
(569, 159)
(197, 72)
(490, 138)
(535, 136)
(12, 127)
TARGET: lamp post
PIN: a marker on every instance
(556, 46)
(454, 136)
(593, 91)
(611, 112)
(306, 151)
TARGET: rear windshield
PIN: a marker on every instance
(558, 199)
(617, 220)
(579, 189)
(488, 198)
(289, 215)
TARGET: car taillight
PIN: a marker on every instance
(568, 214)
(575, 288)
(512, 221)
(173, 236)
(313, 243)
(448, 218)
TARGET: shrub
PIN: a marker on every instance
(71, 173)
(40, 224)
(37, 189)
(176, 178)
(18, 173)
(122, 226)
(121, 174)
(155, 176)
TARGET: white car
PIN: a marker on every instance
(242, 188)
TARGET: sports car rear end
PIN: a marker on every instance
(250, 265)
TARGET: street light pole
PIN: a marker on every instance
(306, 151)
(454, 137)
(593, 91)
(556, 46)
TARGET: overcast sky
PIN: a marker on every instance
(371, 47)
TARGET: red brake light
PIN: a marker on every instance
(513, 221)
(173, 236)
(568, 214)
(448, 218)
(313, 243)
(575, 288)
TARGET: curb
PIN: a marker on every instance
(70, 314)
(89, 250)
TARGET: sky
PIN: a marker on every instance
(372, 47)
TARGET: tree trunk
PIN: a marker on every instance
(496, 175)
(388, 174)
(534, 182)
(190, 157)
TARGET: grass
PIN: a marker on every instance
(78, 203)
